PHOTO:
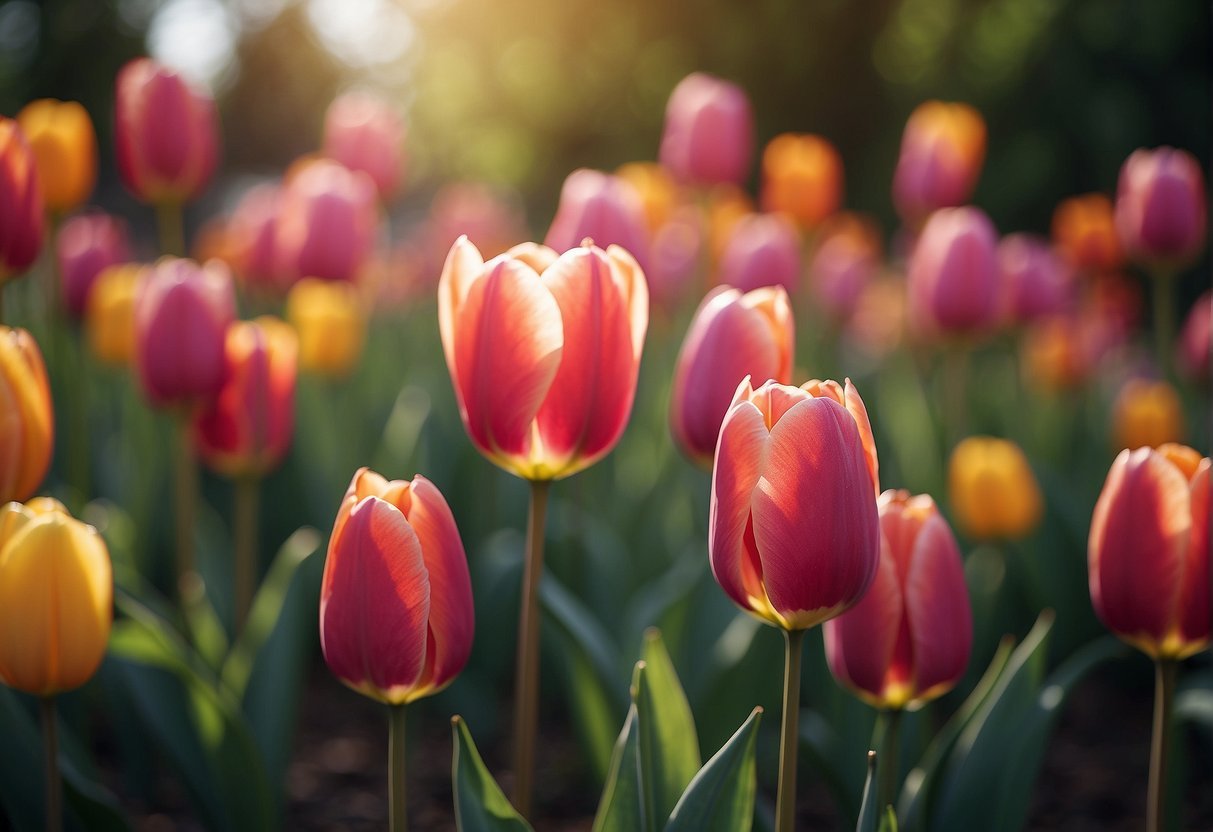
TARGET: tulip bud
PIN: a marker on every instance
(330, 323)
(1160, 207)
(1194, 339)
(110, 316)
(182, 313)
(762, 250)
(543, 352)
(656, 188)
(56, 598)
(952, 283)
(907, 641)
(732, 336)
(85, 246)
(396, 620)
(676, 255)
(1084, 231)
(64, 145)
(252, 231)
(1148, 554)
(794, 536)
(942, 151)
(326, 223)
(1035, 281)
(600, 207)
(165, 134)
(27, 419)
(493, 216)
(1146, 413)
(994, 493)
(801, 177)
(709, 131)
(363, 133)
(20, 203)
(846, 259)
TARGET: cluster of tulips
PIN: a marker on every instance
(543, 343)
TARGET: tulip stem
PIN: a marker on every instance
(399, 819)
(1164, 321)
(526, 686)
(172, 231)
(50, 750)
(248, 502)
(887, 775)
(1164, 694)
(956, 372)
(187, 497)
(789, 744)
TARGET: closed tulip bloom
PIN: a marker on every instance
(656, 188)
(1161, 214)
(27, 419)
(732, 336)
(56, 599)
(331, 325)
(20, 203)
(794, 537)
(364, 133)
(252, 230)
(1084, 230)
(676, 257)
(1146, 413)
(845, 260)
(942, 151)
(709, 131)
(85, 246)
(1035, 280)
(327, 222)
(543, 352)
(166, 134)
(801, 177)
(993, 490)
(762, 250)
(1194, 339)
(953, 280)
(603, 208)
(182, 313)
(61, 136)
(907, 641)
(110, 314)
(396, 620)
(246, 430)
(1148, 554)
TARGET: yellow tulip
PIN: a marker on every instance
(27, 420)
(1146, 414)
(993, 491)
(110, 314)
(331, 324)
(61, 136)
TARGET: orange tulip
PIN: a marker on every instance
(543, 352)
(994, 493)
(1084, 229)
(27, 433)
(331, 324)
(942, 151)
(61, 136)
(20, 203)
(110, 315)
(1148, 554)
(1146, 413)
(657, 190)
(801, 177)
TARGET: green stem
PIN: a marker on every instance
(888, 756)
(1164, 694)
(50, 750)
(789, 744)
(397, 808)
(187, 498)
(1164, 320)
(248, 502)
(526, 690)
(172, 231)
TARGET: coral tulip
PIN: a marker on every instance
(1161, 213)
(56, 591)
(331, 324)
(942, 151)
(762, 250)
(952, 283)
(396, 620)
(110, 315)
(543, 352)
(27, 419)
(907, 641)
(85, 246)
(847, 258)
(709, 131)
(1146, 413)
(327, 222)
(1148, 554)
(166, 134)
(364, 133)
(64, 145)
(1084, 230)
(20, 203)
(801, 177)
(993, 491)
(603, 208)
(732, 336)
(1194, 339)
(1035, 281)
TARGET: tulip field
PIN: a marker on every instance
(353, 494)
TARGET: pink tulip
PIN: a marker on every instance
(794, 536)
(732, 336)
(327, 222)
(165, 132)
(21, 207)
(253, 229)
(676, 257)
(762, 250)
(1194, 339)
(907, 641)
(396, 617)
(952, 282)
(85, 246)
(1036, 282)
(543, 352)
(1160, 207)
(601, 207)
(942, 151)
(364, 133)
(709, 131)
(847, 258)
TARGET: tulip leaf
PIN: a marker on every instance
(623, 805)
(869, 807)
(202, 624)
(720, 798)
(579, 623)
(669, 747)
(480, 805)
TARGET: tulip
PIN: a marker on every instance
(493, 217)
(85, 246)
(727, 206)
(110, 314)
(1147, 413)
(1084, 230)
(801, 177)
(330, 323)
(942, 151)
(676, 256)
(1194, 339)
(1035, 281)
(878, 323)
(732, 336)
(952, 283)
(327, 222)
(27, 419)
(61, 136)
(847, 258)
(20, 203)
(762, 250)
(994, 493)
(656, 188)
(708, 136)
(1160, 207)
(603, 208)
(252, 231)
(364, 133)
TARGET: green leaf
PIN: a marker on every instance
(869, 810)
(572, 617)
(669, 747)
(623, 806)
(479, 804)
(888, 821)
(721, 796)
(202, 623)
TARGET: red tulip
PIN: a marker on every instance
(181, 318)
(396, 618)
(602, 207)
(165, 133)
(21, 206)
(1035, 281)
(762, 250)
(543, 352)
(1160, 207)
(907, 641)
(1148, 555)
(732, 336)
(709, 131)
(847, 258)
(952, 282)
(364, 133)
(326, 223)
(942, 151)
(85, 246)
(794, 536)
(1194, 339)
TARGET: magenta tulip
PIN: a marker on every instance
(762, 250)
(1195, 342)
(21, 208)
(1036, 282)
(85, 246)
(1161, 215)
(364, 133)
(952, 282)
(709, 131)
(942, 151)
(603, 208)
(326, 224)
(846, 260)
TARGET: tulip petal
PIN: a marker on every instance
(1195, 620)
(936, 600)
(860, 642)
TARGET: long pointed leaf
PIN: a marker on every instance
(721, 796)
(480, 805)
(623, 806)
(669, 747)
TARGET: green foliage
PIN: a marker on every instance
(480, 805)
